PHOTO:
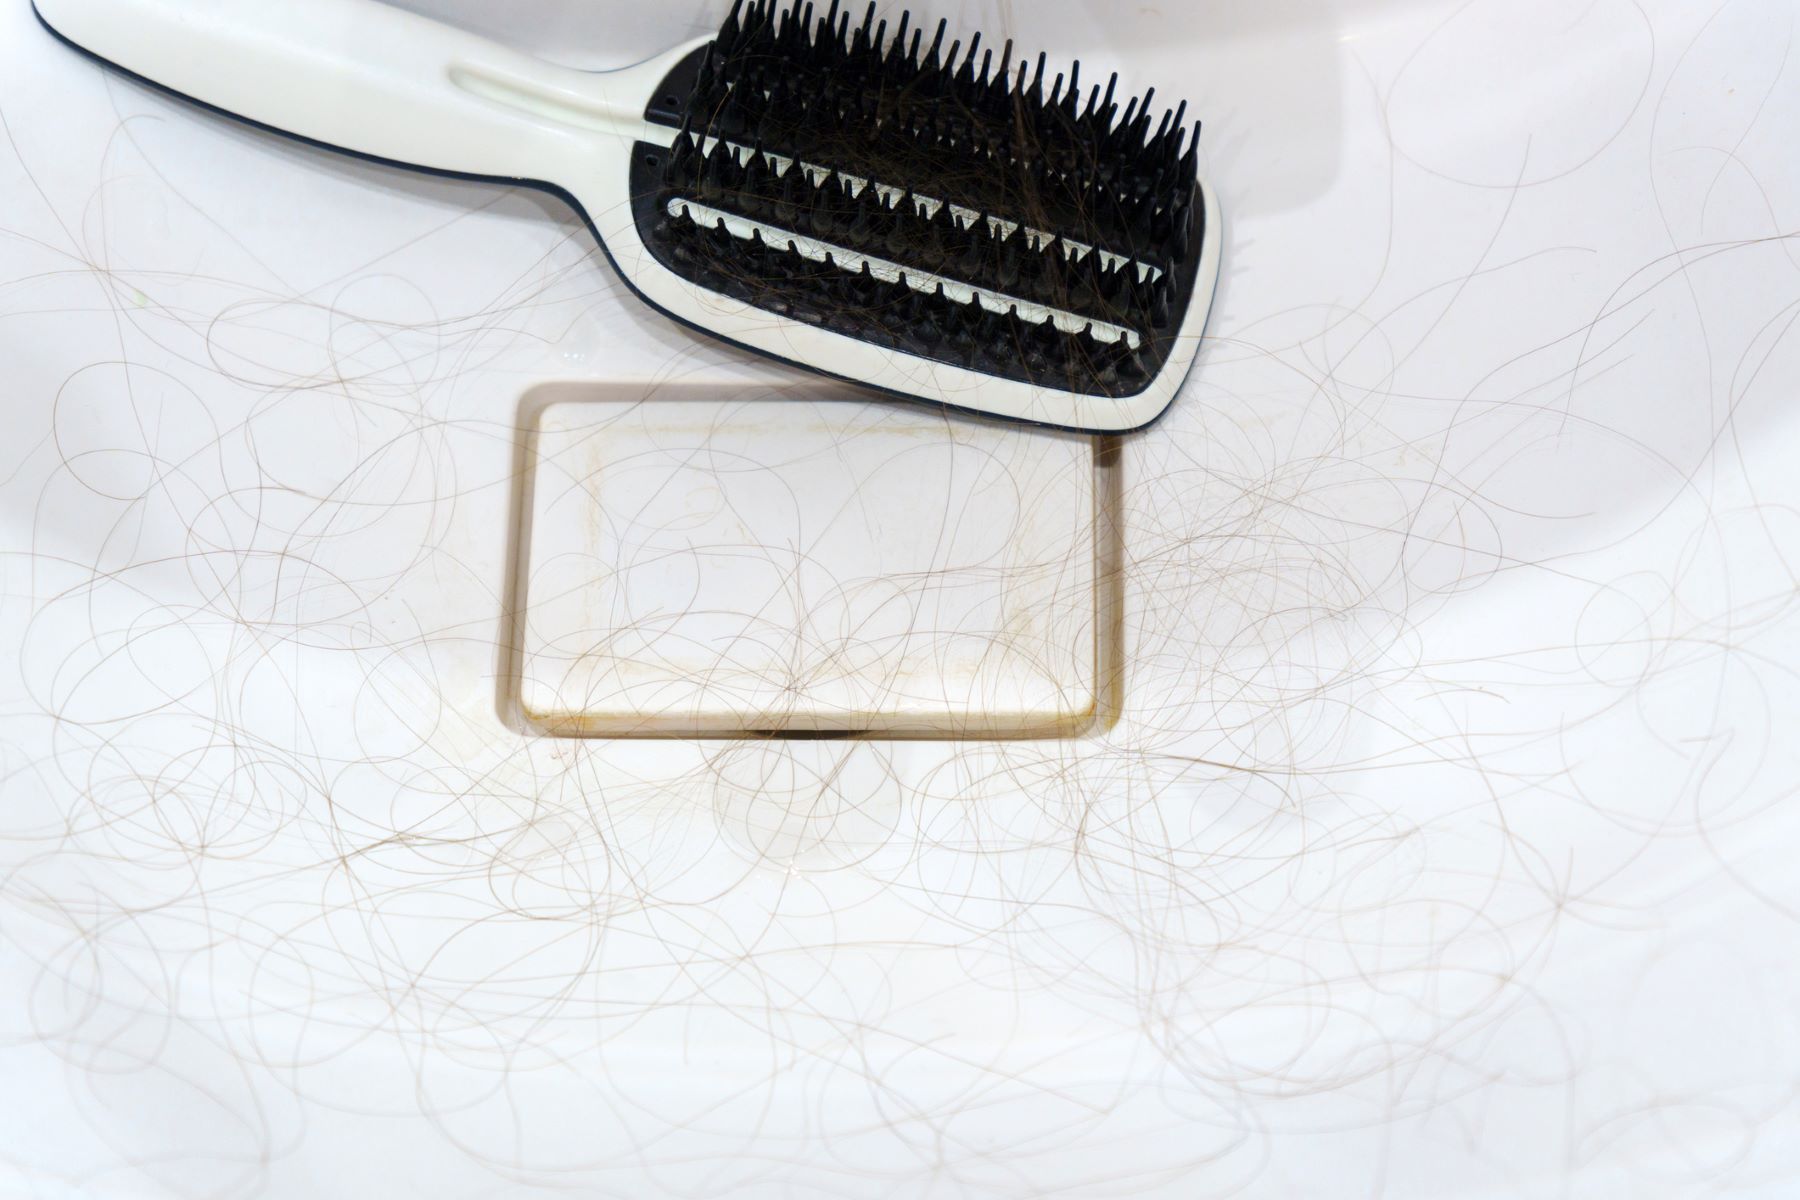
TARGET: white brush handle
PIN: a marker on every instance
(362, 76)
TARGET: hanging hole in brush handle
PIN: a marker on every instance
(361, 76)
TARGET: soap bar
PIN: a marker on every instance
(704, 560)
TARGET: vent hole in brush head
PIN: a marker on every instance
(954, 207)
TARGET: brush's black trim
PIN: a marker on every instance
(568, 198)
(677, 87)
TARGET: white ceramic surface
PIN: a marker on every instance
(1443, 846)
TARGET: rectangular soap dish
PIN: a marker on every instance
(707, 560)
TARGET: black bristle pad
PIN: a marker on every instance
(892, 140)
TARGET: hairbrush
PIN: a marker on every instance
(940, 222)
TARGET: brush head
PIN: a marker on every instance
(1009, 244)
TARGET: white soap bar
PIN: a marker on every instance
(708, 561)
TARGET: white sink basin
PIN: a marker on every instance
(1408, 811)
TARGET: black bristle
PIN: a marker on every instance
(932, 63)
